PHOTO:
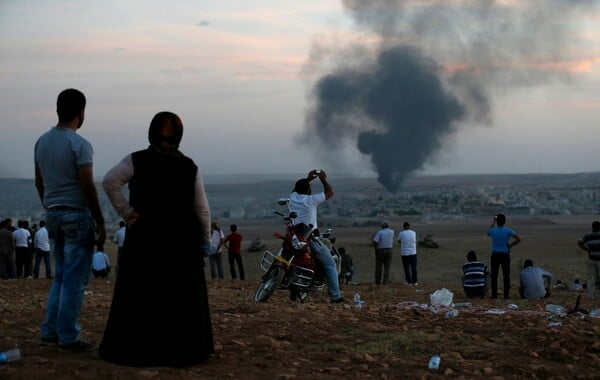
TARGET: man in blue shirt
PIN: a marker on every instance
(501, 245)
(65, 183)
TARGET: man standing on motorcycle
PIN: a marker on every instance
(304, 204)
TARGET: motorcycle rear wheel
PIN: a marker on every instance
(269, 284)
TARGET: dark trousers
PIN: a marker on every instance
(101, 273)
(410, 268)
(24, 258)
(236, 258)
(39, 256)
(8, 267)
(383, 259)
(500, 260)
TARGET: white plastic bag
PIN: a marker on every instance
(441, 297)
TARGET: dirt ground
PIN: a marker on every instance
(392, 336)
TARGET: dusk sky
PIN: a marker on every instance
(524, 76)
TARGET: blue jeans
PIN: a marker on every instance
(324, 257)
(73, 232)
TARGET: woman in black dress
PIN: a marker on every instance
(159, 314)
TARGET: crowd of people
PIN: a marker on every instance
(164, 185)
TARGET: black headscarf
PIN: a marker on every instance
(166, 130)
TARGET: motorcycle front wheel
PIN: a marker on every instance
(269, 284)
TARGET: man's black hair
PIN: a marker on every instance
(527, 263)
(69, 104)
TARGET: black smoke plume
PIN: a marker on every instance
(435, 67)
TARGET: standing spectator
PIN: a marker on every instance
(23, 251)
(474, 278)
(408, 250)
(119, 240)
(42, 251)
(64, 179)
(590, 243)
(215, 257)
(535, 282)
(383, 242)
(233, 243)
(501, 246)
(9, 225)
(159, 314)
(8, 268)
(100, 263)
(347, 270)
(305, 204)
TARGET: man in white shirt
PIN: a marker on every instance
(41, 243)
(304, 204)
(100, 263)
(408, 249)
(23, 252)
(383, 242)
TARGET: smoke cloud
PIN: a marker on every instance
(434, 66)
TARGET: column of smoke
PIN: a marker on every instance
(435, 66)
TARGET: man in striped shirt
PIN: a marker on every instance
(474, 276)
(590, 243)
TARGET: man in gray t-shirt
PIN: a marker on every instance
(535, 282)
(65, 183)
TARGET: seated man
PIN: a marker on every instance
(474, 278)
(347, 271)
(535, 282)
(100, 263)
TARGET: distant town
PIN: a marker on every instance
(363, 201)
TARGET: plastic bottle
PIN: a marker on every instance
(463, 304)
(556, 309)
(595, 313)
(434, 362)
(451, 313)
(357, 301)
(10, 356)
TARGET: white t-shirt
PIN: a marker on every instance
(100, 261)
(119, 238)
(305, 206)
(408, 242)
(42, 241)
(215, 238)
(384, 238)
(22, 237)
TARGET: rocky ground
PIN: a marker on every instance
(392, 336)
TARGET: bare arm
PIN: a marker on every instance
(583, 246)
(516, 240)
(88, 188)
(327, 189)
(39, 183)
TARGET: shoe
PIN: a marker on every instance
(415, 284)
(79, 346)
(494, 297)
(339, 300)
(51, 341)
(506, 297)
(29, 277)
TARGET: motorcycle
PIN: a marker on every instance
(293, 267)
